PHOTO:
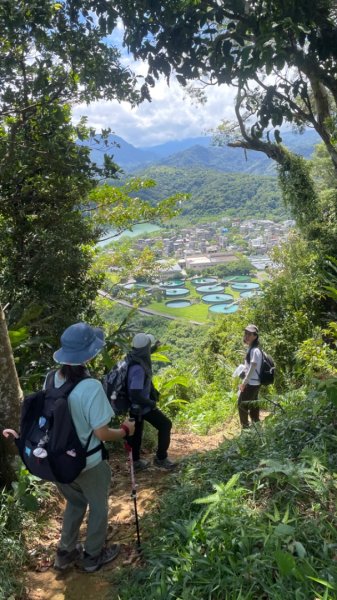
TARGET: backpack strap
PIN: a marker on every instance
(50, 378)
(67, 387)
(100, 447)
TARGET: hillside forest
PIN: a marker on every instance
(255, 517)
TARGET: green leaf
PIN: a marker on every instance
(157, 357)
(285, 562)
(178, 380)
(18, 336)
(282, 529)
(29, 502)
(300, 550)
(326, 584)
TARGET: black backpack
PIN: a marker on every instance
(48, 444)
(115, 387)
(267, 371)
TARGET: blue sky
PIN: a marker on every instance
(170, 116)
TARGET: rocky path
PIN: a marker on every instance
(43, 583)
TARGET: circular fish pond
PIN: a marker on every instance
(203, 280)
(177, 292)
(249, 294)
(178, 303)
(203, 289)
(244, 286)
(224, 309)
(173, 283)
(213, 298)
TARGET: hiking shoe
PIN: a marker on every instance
(90, 564)
(165, 463)
(64, 559)
(141, 464)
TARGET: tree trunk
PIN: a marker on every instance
(10, 401)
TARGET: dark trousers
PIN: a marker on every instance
(248, 406)
(163, 425)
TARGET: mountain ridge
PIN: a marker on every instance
(198, 152)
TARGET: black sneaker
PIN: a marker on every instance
(64, 559)
(165, 463)
(90, 564)
(141, 464)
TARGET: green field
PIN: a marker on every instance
(195, 312)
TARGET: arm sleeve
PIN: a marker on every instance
(248, 375)
(136, 386)
(100, 411)
(136, 397)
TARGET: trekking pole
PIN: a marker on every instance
(277, 404)
(128, 448)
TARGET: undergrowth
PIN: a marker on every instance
(254, 519)
(11, 547)
(208, 411)
(17, 508)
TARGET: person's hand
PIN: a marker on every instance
(242, 387)
(130, 425)
(7, 432)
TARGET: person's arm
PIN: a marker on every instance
(136, 388)
(248, 375)
(155, 346)
(136, 397)
(107, 434)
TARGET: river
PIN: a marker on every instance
(140, 229)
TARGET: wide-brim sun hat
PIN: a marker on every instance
(79, 344)
(141, 340)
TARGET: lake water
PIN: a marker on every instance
(141, 229)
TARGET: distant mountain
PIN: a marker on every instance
(164, 150)
(224, 159)
(124, 154)
(199, 153)
(236, 160)
(214, 193)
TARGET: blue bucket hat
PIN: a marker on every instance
(79, 343)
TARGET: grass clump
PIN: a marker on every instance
(12, 548)
(207, 411)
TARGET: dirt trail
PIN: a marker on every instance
(43, 583)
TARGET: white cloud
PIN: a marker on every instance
(170, 116)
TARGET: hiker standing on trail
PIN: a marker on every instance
(91, 412)
(143, 397)
(249, 388)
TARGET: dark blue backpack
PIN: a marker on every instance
(48, 444)
(115, 387)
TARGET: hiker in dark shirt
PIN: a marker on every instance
(143, 397)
